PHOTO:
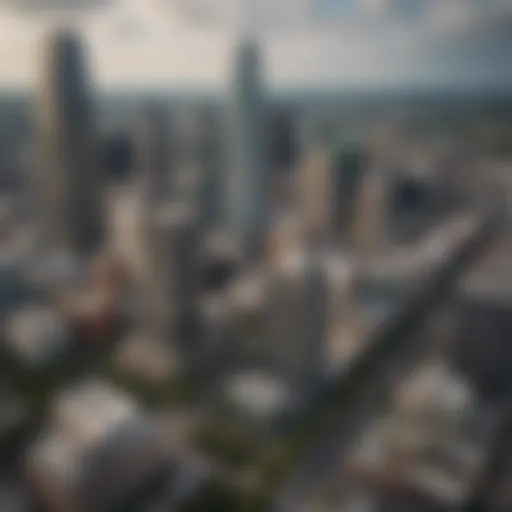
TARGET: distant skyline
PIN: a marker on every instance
(306, 43)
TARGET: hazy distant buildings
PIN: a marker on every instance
(68, 177)
(247, 180)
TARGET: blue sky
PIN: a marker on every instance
(306, 42)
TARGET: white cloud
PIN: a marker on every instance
(144, 42)
(42, 6)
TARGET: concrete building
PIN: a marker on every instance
(36, 335)
(424, 452)
(370, 220)
(286, 236)
(98, 447)
(221, 258)
(247, 183)
(128, 219)
(260, 398)
(146, 358)
(316, 197)
(296, 317)
(283, 140)
(482, 351)
(67, 184)
(412, 204)
(155, 153)
(201, 147)
(431, 448)
(173, 276)
(349, 167)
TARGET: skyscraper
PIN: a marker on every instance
(283, 143)
(247, 180)
(68, 189)
(371, 213)
(201, 146)
(296, 316)
(316, 198)
(349, 166)
(173, 276)
(154, 154)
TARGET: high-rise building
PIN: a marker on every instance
(296, 316)
(154, 154)
(173, 274)
(68, 188)
(369, 228)
(247, 180)
(283, 140)
(348, 168)
(201, 147)
(315, 194)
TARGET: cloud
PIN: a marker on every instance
(478, 49)
(311, 42)
(347, 41)
(53, 6)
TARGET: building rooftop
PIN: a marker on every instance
(92, 410)
(428, 438)
(258, 395)
(36, 333)
(146, 357)
(58, 457)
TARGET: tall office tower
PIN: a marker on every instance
(316, 194)
(413, 206)
(296, 316)
(283, 141)
(349, 167)
(173, 274)
(201, 146)
(68, 190)
(154, 155)
(248, 177)
(371, 214)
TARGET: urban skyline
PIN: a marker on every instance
(252, 303)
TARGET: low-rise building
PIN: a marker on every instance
(98, 448)
(428, 450)
(36, 335)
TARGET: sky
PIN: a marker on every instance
(305, 43)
